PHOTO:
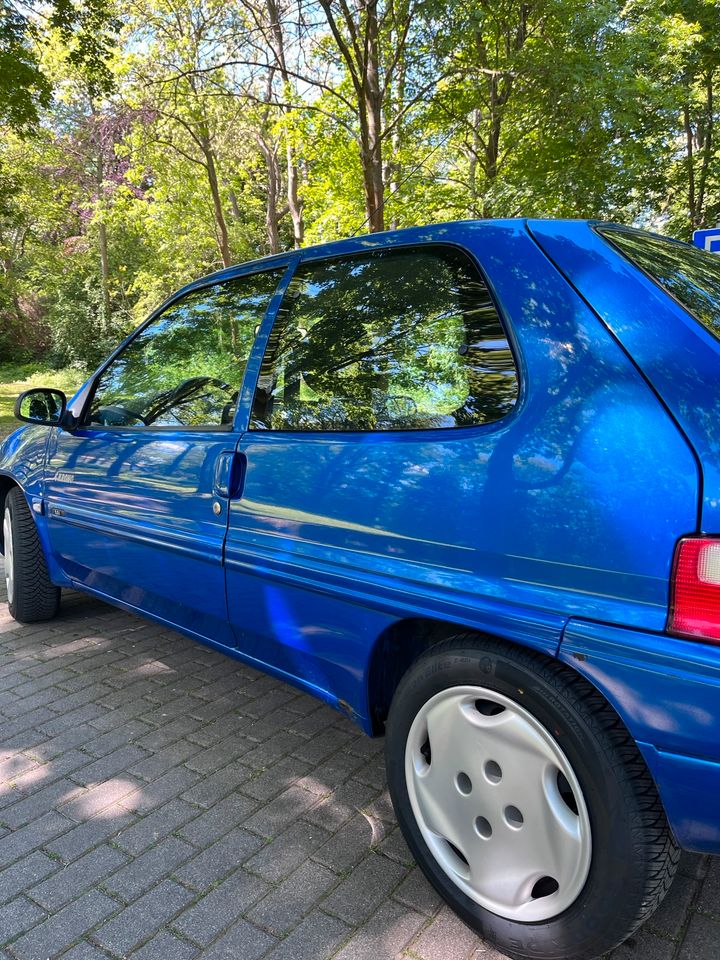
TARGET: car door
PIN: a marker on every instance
(383, 371)
(136, 495)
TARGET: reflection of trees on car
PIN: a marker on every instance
(186, 367)
(404, 340)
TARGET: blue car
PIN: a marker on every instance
(461, 482)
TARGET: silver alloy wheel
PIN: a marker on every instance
(498, 803)
(9, 556)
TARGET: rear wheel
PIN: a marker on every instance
(31, 595)
(525, 801)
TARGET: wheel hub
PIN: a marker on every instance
(498, 803)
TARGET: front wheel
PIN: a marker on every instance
(525, 801)
(31, 595)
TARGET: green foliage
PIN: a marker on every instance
(137, 156)
(14, 378)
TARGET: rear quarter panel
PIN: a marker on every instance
(571, 506)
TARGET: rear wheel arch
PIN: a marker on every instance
(593, 738)
(399, 646)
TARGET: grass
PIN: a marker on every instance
(16, 377)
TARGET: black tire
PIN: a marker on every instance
(634, 856)
(34, 597)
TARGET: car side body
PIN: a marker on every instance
(333, 559)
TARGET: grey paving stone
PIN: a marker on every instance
(381, 808)
(16, 917)
(33, 835)
(646, 946)
(141, 919)
(113, 765)
(270, 751)
(415, 892)
(218, 860)
(156, 825)
(447, 938)
(369, 884)
(118, 736)
(241, 940)
(367, 747)
(317, 748)
(694, 865)
(288, 903)
(221, 907)
(218, 820)
(39, 802)
(144, 872)
(281, 811)
(210, 735)
(317, 718)
(372, 773)
(330, 775)
(702, 941)
(384, 935)
(50, 771)
(217, 785)
(269, 782)
(317, 937)
(84, 951)
(70, 881)
(210, 759)
(351, 843)
(149, 796)
(669, 919)
(160, 761)
(287, 851)
(98, 798)
(23, 874)
(709, 899)
(62, 929)
(340, 805)
(85, 836)
(395, 847)
(164, 946)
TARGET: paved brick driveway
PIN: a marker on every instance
(159, 800)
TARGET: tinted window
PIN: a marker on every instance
(691, 275)
(186, 368)
(391, 340)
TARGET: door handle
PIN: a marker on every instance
(229, 475)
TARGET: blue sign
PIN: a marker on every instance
(708, 240)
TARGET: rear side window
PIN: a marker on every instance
(687, 273)
(390, 340)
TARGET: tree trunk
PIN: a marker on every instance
(371, 120)
(103, 246)
(273, 189)
(223, 240)
(234, 205)
(690, 166)
(707, 147)
(104, 271)
(293, 200)
(294, 204)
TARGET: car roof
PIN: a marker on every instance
(358, 242)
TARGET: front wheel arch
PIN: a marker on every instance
(32, 596)
(6, 485)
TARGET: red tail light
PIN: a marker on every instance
(695, 589)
